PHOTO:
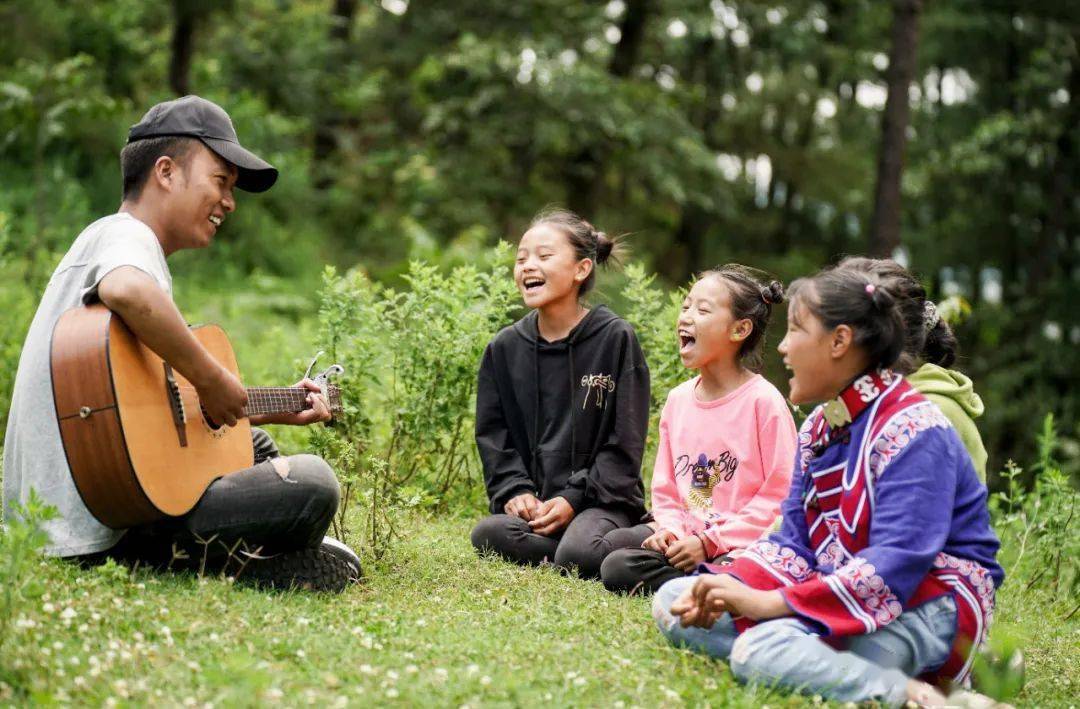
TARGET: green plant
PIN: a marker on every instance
(405, 435)
(22, 538)
(1037, 523)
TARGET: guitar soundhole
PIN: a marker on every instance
(215, 428)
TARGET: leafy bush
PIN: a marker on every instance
(1038, 525)
(22, 537)
(410, 360)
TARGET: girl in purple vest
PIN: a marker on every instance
(884, 568)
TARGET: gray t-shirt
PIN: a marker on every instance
(33, 452)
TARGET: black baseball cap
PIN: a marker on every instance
(196, 117)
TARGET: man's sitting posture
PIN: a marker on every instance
(179, 167)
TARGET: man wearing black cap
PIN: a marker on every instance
(180, 166)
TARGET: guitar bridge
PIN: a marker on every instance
(176, 405)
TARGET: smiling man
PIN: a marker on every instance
(180, 166)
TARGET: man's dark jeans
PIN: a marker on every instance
(279, 504)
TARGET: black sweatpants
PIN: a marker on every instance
(591, 535)
(631, 569)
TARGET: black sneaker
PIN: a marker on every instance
(331, 566)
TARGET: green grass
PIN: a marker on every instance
(432, 624)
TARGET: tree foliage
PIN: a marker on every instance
(710, 132)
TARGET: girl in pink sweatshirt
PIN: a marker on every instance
(727, 440)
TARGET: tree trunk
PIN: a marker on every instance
(584, 174)
(1047, 260)
(884, 234)
(183, 45)
(330, 120)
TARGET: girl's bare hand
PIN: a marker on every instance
(659, 540)
(524, 506)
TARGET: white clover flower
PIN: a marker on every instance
(391, 692)
(485, 680)
(48, 607)
(472, 669)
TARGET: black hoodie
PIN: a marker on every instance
(538, 401)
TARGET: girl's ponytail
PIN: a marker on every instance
(773, 293)
(607, 249)
(888, 332)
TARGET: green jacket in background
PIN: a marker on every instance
(955, 396)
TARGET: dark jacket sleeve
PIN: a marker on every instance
(505, 474)
(614, 478)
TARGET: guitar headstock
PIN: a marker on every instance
(331, 391)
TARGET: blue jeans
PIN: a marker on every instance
(786, 652)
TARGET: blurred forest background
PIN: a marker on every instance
(777, 134)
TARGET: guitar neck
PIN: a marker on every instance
(276, 400)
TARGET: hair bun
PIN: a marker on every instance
(773, 293)
(604, 246)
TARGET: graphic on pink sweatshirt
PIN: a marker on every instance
(723, 466)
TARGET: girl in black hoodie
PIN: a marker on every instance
(562, 409)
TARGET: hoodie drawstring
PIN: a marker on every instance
(573, 409)
(536, 414)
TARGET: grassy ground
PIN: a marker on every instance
(431, 625)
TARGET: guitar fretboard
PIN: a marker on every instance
(276, 400)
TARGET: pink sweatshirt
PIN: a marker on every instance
(723, 466)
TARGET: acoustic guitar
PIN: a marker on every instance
(139, 445)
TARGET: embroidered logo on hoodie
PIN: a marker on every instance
(601, 383)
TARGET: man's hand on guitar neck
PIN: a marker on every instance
(318, 409)
(153, 317)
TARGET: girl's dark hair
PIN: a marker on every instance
(587, 240)
(858, 297)
(929, 338)
(752, 298)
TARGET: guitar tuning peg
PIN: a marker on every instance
(333, 370)
(307, 373)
